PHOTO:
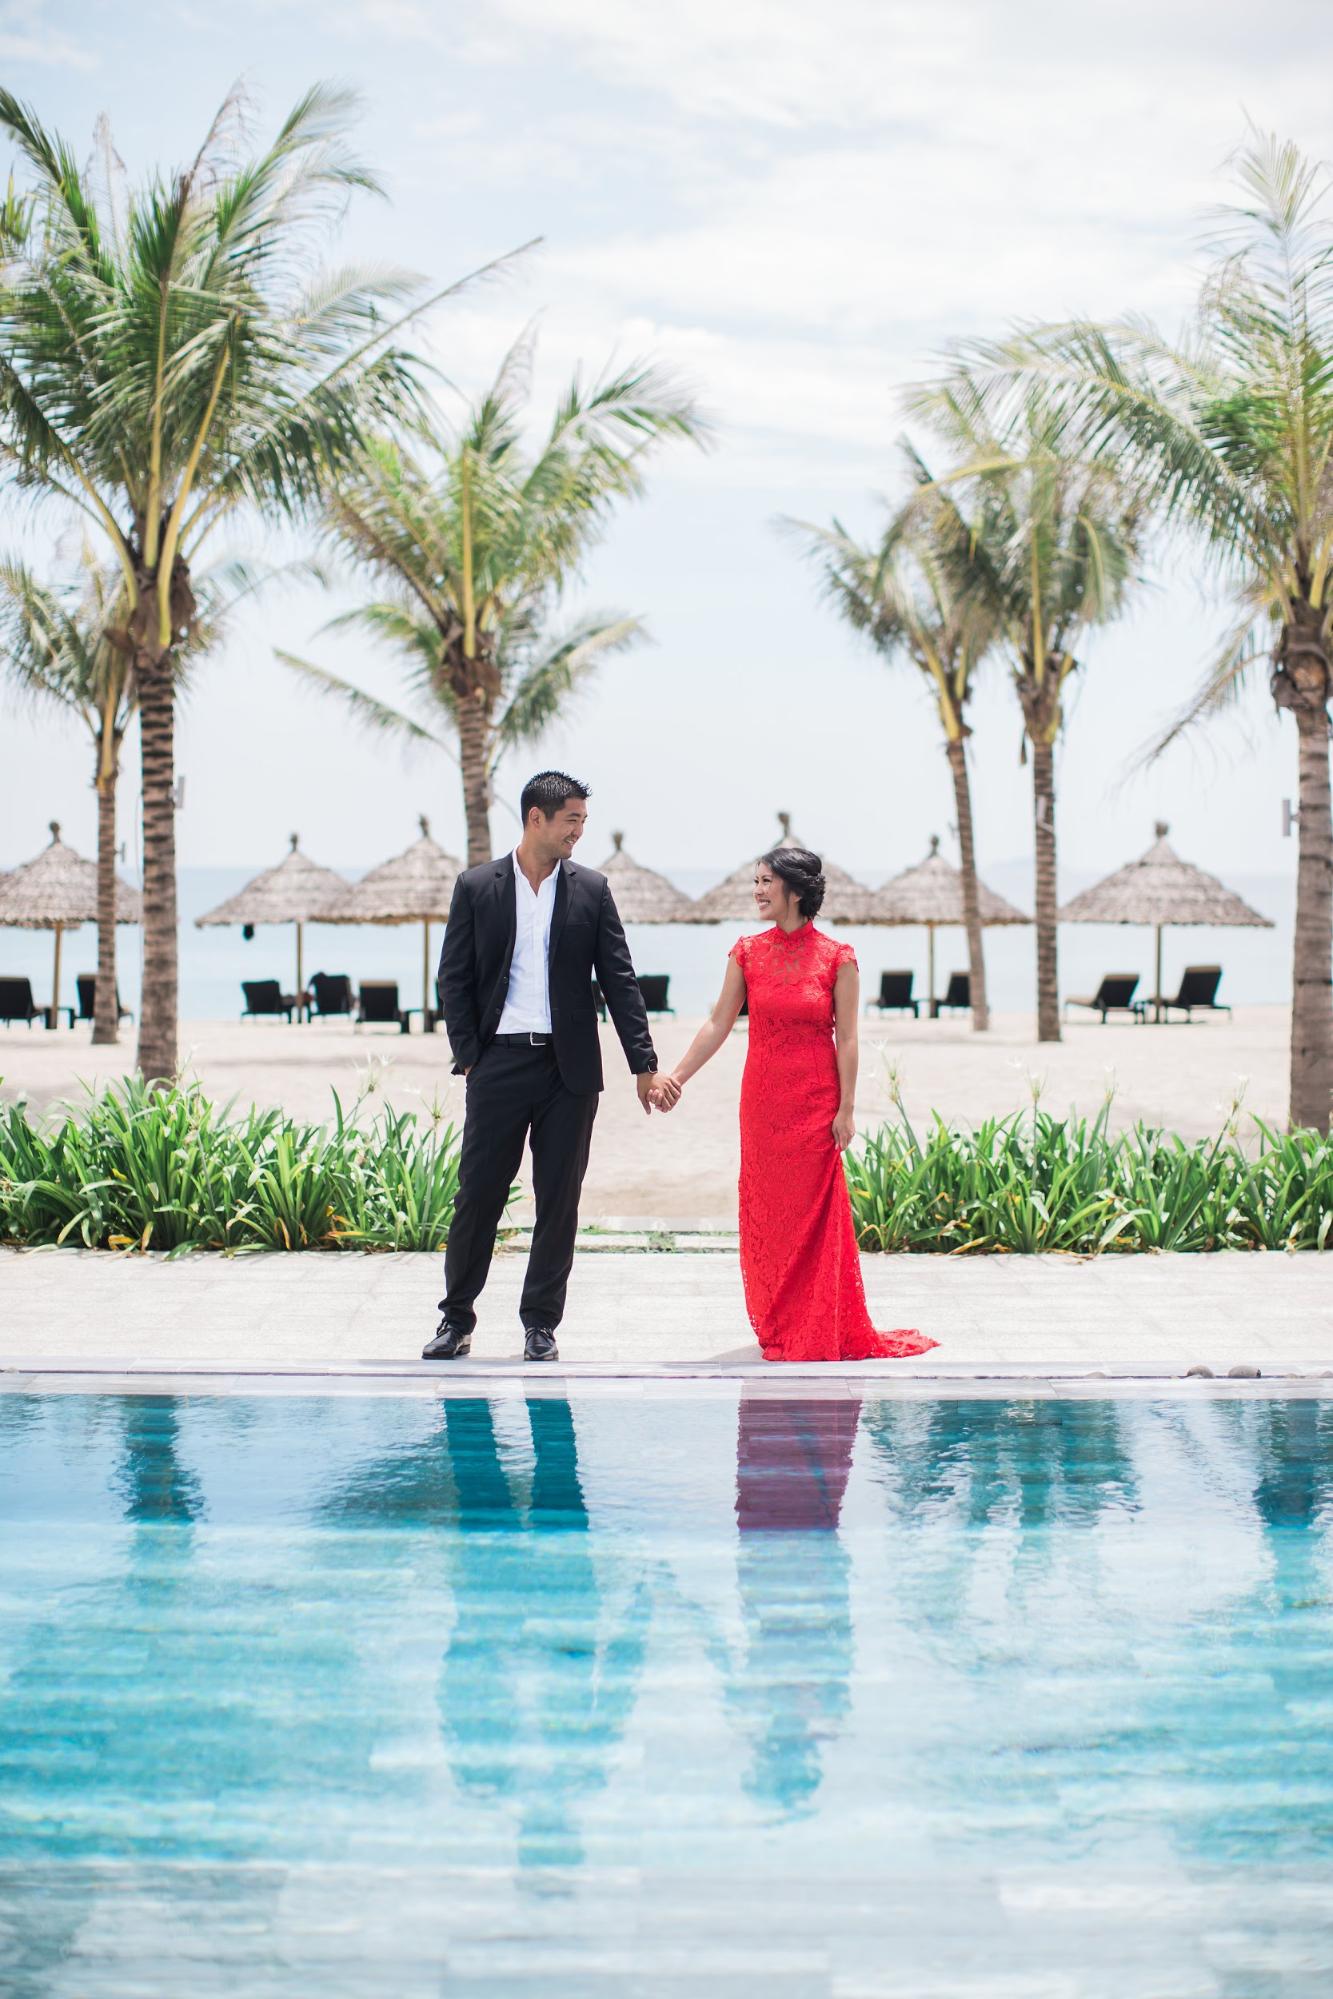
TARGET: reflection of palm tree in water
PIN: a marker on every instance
(1292, 1451)
(1035, 1463)
(792, 1464)
(157, 1490)
(1295, 1483)
(532, 1699)
(66, 1751)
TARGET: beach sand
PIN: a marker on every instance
(681, 1169)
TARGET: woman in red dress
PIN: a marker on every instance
(799, 1260)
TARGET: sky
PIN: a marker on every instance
(796, 208)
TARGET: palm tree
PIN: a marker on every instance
(1229, 432)
(904, 594)
(53, 648)
(1050, 550)
(538, 671)
(168, 356)
(475, 537)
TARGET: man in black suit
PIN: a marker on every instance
(525, 936)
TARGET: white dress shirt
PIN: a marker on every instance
(527, 1007)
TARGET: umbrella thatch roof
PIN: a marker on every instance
(932, 893)
(642, 895)
(732, 900)
(414, 887)
(1161, 888)
(298, 890)
(58, 891)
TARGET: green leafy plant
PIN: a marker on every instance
(139, 1169)
(1026, 1184)
(143, 1169)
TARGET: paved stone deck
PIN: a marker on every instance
(643, 1315)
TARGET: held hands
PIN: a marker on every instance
(844, 1130)
(657, 1092)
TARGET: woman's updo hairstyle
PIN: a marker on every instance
(803, 873)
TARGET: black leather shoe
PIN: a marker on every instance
(539, 1343)
(450, 1343)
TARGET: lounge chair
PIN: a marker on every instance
(87, 987)
(1115, 994)
(17, 1003)
(958, 996)
(655, 986)
(1198, 992)
(377, 1006)
(265, 1000)
(330, 994)
(895, 995)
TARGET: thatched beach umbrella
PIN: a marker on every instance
(732, 900)
(297, 891)
(930, 896)
(58, 891)
(414, 887)
(1160, 889)
(642, 895)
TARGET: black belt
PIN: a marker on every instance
(524, 1040)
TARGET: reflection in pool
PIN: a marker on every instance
(640, 1693)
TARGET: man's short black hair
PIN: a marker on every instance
(549, 790)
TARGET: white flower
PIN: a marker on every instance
(893, 1077)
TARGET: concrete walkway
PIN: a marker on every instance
(672, 1314)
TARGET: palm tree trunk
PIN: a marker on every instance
(976, 957)
(1311, 1101)
(157, 1012)
(474, 733)
(106, 1013)
(1043, 833)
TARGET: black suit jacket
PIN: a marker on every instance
(586, 939)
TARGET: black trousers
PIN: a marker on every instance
(513, 1093)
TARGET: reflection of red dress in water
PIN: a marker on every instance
(799, 1260)
(794, 1574)
(793, 1460)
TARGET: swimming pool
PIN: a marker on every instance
(666, 1691)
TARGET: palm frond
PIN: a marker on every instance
(379, 717)
(478, 537)
(56, 641)
(556, 671)
(1221, 688)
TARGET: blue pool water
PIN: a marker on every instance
(666, 1692)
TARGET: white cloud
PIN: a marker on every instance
(847, 63)
(836, 193)
(26, 37)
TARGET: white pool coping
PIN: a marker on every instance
(866, 1380)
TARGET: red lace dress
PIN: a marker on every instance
(799, 1261)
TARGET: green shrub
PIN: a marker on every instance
(168, 1170)
(1035, 1182)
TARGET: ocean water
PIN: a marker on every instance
(1257, 963)
(654, 1693)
